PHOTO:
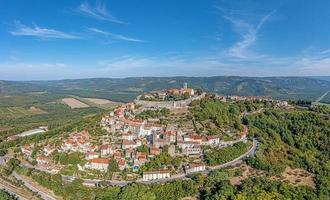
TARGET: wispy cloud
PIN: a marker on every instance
(313, 63)
(99, 11)
(114, 36)
(42, 33)
(248, 32)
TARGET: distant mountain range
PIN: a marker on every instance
(326, 78)
(126, 89)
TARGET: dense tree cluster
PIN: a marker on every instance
(296, 138)
(223, 155)
(162, 160)
(153, 113)
(225, 115)
(215, 186)
(10, 166)
(69, 158)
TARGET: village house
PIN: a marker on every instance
(154, 151)
(161, 95)
(47, 150)
(27, 150)
(119, 112)
(184, 145)
(243, 133)
(127, 136)
(144, 131)
(41, 160)
(141, 156)
(192, 168)
(173, 91)
(192, 138)
(98, 164)
(78, 142)
(194, 150)
(170, 136)
(106, 150)
(126, 144)
(147, 176)
(171, 150)
(117, 155)
(129, 153)
(148, 96)
(91, 155)
(210, 140)
(121, 164)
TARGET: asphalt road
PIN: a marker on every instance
(12, 192)
(42, 194)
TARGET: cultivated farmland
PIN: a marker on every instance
(74, 103)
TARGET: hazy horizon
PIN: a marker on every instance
(87, 39)
(327, 78)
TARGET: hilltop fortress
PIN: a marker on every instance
(170, 98)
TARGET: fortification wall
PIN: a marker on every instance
(167, 104)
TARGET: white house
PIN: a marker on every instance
(48, 150)
(91, 155)
(192, 150)
(191, 168)
(147, 176)
(106, 150)
(144, 131)
(127, 136)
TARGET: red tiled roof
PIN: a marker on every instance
(128, 142)
(104, 147)
(100, 160)
(121, 162)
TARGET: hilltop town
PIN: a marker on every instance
(138, 136)
(175, 136)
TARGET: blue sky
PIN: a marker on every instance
(61, 39)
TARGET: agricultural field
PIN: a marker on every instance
(16, 112)
(15, 120)
(101, 103)
(74, 103)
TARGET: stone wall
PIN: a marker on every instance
(167, 104)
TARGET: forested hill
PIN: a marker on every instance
(126, 89)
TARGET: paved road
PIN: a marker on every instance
(321, 97)
(10, 191)
(42, 194)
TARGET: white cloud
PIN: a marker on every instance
(115, 36)
(99, 11)
(249, 33)
(42, 33)
(311, 66)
